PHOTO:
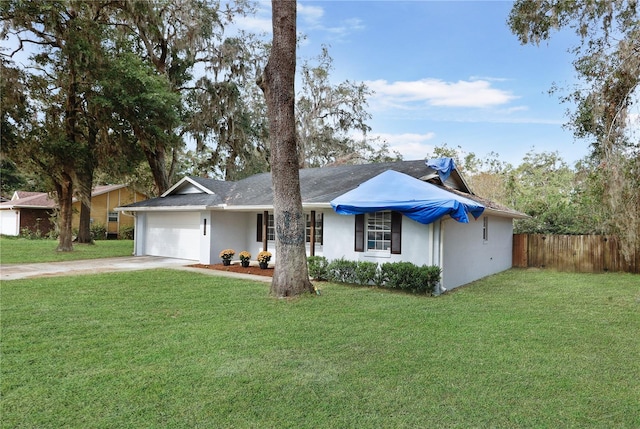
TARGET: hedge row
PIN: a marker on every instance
(392, 275)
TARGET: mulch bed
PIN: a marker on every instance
(237, 268)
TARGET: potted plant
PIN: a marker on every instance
(226, 256)
(244, 258)
(263, 259)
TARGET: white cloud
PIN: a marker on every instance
(345, 28)
(310, 19)
(410, 145)
(259, 22)
(311, 15)
(436, 92)
(254, 24)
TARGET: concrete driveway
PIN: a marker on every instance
(107, 265)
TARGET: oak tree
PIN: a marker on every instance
(607, 62)
(277, 82)
(57, 144)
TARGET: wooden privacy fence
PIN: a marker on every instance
(573, 253)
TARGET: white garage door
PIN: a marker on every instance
(175, 235)
(9, 222)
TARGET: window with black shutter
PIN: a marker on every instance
(359, 233)
(381, 230)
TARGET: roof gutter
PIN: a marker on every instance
(26, 206)
(507, 214)
(165, 209)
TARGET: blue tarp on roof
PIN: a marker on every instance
(418, 200)
(444, 167)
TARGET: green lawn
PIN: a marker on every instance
(172, 349)
(20, 250)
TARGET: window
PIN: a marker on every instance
(379, 231)
(317, 228)
(271, 230)
(485, 228)
(382, 232)
(113, 217)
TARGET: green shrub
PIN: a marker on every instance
(380, 278)
(403, 276)
(410, 277)
(342, 271)
(98, 231)
(430, 277)
(366, 273)
(30, 234)
(397, 275)
(126, 233)
(317, 266)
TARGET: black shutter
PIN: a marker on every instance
(396, 233)
(321, 228)
(359, 241)
(259, 228)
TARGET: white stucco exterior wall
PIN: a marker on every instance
(139, 234)
(254, 246)
(463, 254)
(339, 233)
(229, 230)
(468, 257)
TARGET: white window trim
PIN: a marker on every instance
(377, 252)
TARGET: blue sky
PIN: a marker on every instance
(444, 72)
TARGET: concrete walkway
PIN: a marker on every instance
(108, 265)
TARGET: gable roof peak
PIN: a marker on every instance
(188, 185)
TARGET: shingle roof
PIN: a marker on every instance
(317, 185)
(492, 205)
(103, 189)
(180, 200)
(41, 200)
(38, 200)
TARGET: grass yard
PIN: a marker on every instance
(15, 250)
(171, 349)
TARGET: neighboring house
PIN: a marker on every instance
(104, 200)
(196, 218)
(34, 211)
(31, 211)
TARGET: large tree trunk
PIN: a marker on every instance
(84, 227)
(85, 186)
(157, 163)
(290, 276)
(64, 181)
(64, 189)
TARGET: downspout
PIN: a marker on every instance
(135, 233)
(18, 220)
(134, 215)
(431, 238)
(441, 288)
